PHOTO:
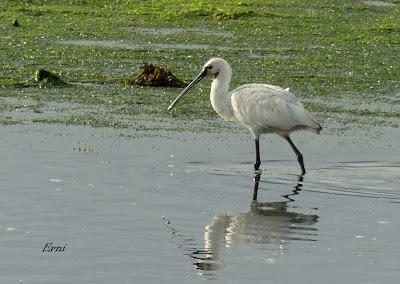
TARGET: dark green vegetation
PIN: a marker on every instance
(340, 57)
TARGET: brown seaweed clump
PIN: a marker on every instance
(155, 76)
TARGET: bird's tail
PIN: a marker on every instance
(315, 127)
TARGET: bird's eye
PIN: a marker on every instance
(209, 67)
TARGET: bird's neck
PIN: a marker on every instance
(220, 97)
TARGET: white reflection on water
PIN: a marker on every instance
(269, 226)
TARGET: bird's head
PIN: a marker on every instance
(215, 67)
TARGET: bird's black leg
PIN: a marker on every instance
(299, 155)
(258, 160)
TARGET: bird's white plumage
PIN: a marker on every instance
(270, 109)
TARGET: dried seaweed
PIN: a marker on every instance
(154, 76)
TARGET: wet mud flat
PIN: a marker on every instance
(147, 206)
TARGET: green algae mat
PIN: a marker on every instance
(341, 58)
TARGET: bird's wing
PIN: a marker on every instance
(267, 89)
(270, 108)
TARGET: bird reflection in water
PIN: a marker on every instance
(270, 225)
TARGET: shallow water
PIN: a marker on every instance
(140, 207)
(174, 31)
(379, 3)
(130, 45)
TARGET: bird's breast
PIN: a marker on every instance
(221, 100)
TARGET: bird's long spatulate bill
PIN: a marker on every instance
(198, 78)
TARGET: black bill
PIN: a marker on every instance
(199, 77)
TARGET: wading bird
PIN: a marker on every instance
(261, 108)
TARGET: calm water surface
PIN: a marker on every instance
(134, 207)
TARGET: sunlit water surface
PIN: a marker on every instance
(135, 207)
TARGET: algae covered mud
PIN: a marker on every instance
(339, 57)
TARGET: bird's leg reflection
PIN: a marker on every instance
(270, 225)
(296, 190)
(256, 183)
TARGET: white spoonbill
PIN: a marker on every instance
(261, 108)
